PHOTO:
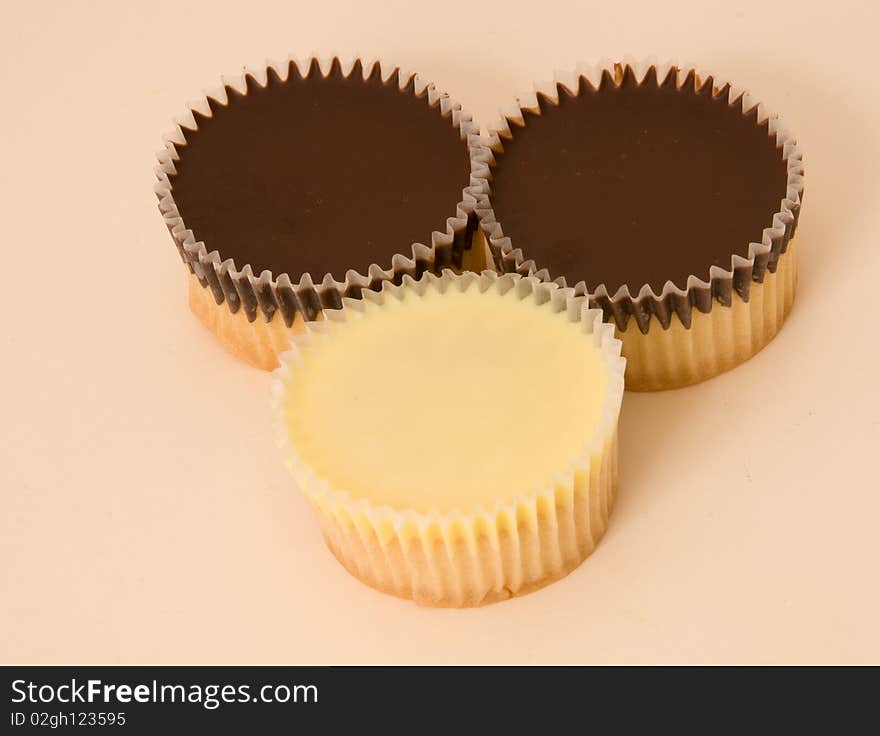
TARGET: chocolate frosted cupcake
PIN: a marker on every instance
(300, 184)
(671, 199)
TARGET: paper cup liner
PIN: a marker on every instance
(679, 336)
(275, 298)
(483, 554)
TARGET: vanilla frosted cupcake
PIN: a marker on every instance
(668, 197)
(299, 184)
(456, 435)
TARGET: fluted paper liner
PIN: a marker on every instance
(472, 556)
(715, 341)
(673, 305)
(267, 295)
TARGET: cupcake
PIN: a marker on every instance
(669, 198)
(300, 184)
(456, 434)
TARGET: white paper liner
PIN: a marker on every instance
(268, 293)
(715, 285)
(479, 555)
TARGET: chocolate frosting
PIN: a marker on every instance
(633, 184)
(318, 174)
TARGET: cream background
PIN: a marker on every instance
(145, 515)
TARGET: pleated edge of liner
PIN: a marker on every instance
(699, 293)
(267, 293)
(384, 517)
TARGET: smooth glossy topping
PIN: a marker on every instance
(445, 401)
(638, 184)
(320, 175)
